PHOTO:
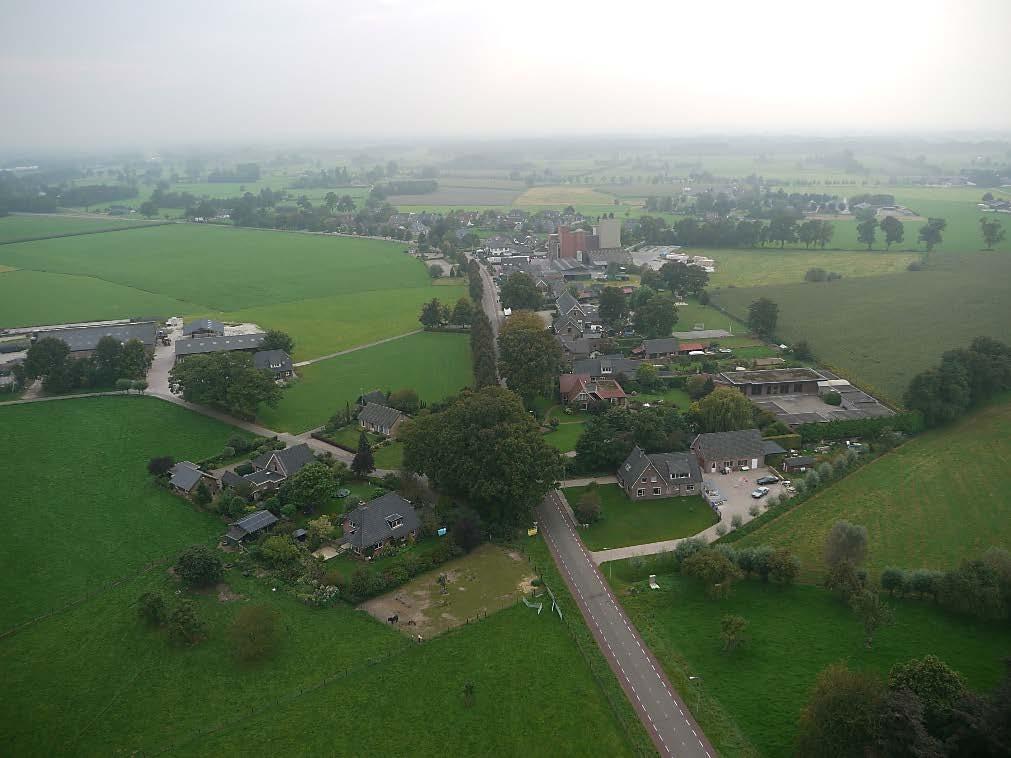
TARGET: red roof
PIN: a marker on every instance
(691, 346)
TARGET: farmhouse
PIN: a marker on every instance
(198, 345)
(782, 381)
(606, 366)
(667, 347)
(287, 462)
(82, 340)
(385, 520)
(380, 419)
(250, 525)
(580, 391)
(721, 451)
(659, 475)
(186, 477)
(204, 327)
(567, 304)
(277, 362)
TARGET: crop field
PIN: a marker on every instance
(793, 633)
(563, 195)
(940, 498)
(432, 363)
(458, 196)
(75, 477)
(31, 226)
(882, 330)
(767, 265)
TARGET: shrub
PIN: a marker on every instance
(588, 508)
(736, 520)
(687, 548)
(244, 468)
(825, 471)
(754, 510)
(159, 466)
(815, 275)
(238, 443)
(721, 529)
(288, 510)
(254, 633)
(813, 479)
(832, 398)
(151, 608)
(227, 452)
(893, 580)
(185, 627)
(199, 566)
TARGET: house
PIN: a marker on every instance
(387, 519)
(567, 304)
(82, 340)
(606, 366)
(287, 462)
(253, 523)
(375, 396)
(380, 419)
(277, 362)
(186, 477)
(657, 475)
(198, 345)
(580, 391)
(718, 451)
(580, 346)
(798, 463)
(204, 327)
(780, 381)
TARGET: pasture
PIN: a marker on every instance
(563, 195)
(628, 522)
(434, 364)
(477, 197)
(939, 498)
(32, 226)
(793, 633)
(768, 265)
(882, 330)
(80, 507)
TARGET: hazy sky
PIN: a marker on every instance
(138, 73)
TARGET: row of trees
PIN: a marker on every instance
(49, 359)
(435, 313)
(482, 338)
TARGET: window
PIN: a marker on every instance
(352, 527)
(640, 493)
(628, 467)
(656, 490)
(394, 520)
(689, 488)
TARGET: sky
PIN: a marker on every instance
(122, 72)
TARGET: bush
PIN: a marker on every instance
(239, 444)
(832, 398)
(736, 520)
(199, 566)
(185, 627)
(254, 633)
(244, 468)
(893, 580)
(159, 466)
(754, 510)
(825, 471)
(151, 608)
(812, 479)
(721, 529)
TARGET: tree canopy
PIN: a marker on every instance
(529, 355)
(724, 410)
(520, 293)
(227, 381)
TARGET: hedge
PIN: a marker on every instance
(911, 423)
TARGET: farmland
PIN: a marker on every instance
(794, 632)
(433, 364)
(31, 226)
(882, 330)
(563, 195)
(767, 265)
(940, 498)
(75, 478)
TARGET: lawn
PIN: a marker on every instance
(941, 497)
(767, 265)
(627, 522)
(80, 508)
(882, 330)
(794, 632)
(434, 364)
(20, 227)
(566, 435)
(348, 436)
(389, 456)
(674, 396)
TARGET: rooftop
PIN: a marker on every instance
(772, 376)
(198, 345)
(87, 337)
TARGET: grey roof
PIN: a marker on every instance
(375, 396)
(369, 520)
(799, 460)
(772, 376)
(185, 475)
(606, 365)
(566, 302)
(254, 522)
(231, 479)
(87, 337)
(609, 255)
(578, 346)
(218, 344)
(292, 459)
(702, 334)
(203, 324)
(379, 415)
(772, 447)
(272, 360)
(666, 464)
(661, 345)
(263, 476)
(716, 446)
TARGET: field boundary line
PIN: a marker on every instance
(105, 230)
(355, 349)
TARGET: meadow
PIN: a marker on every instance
(749, 701)
(769, 265)
(940, 498)
(433, 364)
(627, 522)
(32, 226)
(74, 478)
(882, 330)
(563, 195)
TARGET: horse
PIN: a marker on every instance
(394, 619)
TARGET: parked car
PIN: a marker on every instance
(760, 493)
(725, 350)
(767, 479)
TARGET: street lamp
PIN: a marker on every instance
(698, 691)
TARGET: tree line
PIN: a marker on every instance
(49, 359)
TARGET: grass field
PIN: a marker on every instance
(47, 225)
(433, 364)
(761, 266)
(882, 330)
(939, 498)
(565, 436)
(794, 632)
(674, 396)
(563, 195)
(627, 522)
(389, 457)
(74, 477)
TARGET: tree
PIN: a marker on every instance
(783, 229)
(802, 350)
(467, 532)
(656, 316)
(151, 608)
(330, 201)
(647, 376)
(486, 448)
(840, 718)
(134, 360)
(405, 400)
(435, 271)
(185, 627)
(433, 313)
(45, 356)
(199, 566)
(992, 232)
(846, 542)
(940, 395)
(894, 231)
(732, 632)
(148, 209)
(901, 730)
(587, 508)
(529, 356)
(872, 611)
(320, 530)
(867, 231)
(519, 292)
(202, 496)
(227, 381)
(311, 487)
(699, 386)
(107, 355)
(363, 463)
(930, 233)
(937, 686)
(463, 312)
(254, 633)
(160, 465)
(724, 410)
(762, 317)
(281, 552)
(782, 566)
(613, 306)
(482, 351)
(275, 339)
(715, 570)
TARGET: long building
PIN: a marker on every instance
(198, 345)
(82, 340)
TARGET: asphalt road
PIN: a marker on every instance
(663, 713)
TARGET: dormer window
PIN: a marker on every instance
(395, 520)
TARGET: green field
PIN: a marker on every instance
(882, 330)
(389, 457)
(432, 363)
(794, 632)
(767, 265)
(75, 478)
(565, 436)
(30, 226)
(941, 497)
(627, 522)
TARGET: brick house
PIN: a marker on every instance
(580, 391)
(659, 475)
(717, 451)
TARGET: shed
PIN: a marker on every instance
(251, 524)
(798, 463)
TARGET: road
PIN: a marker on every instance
(664, 714)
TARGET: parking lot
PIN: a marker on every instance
(736, 487)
